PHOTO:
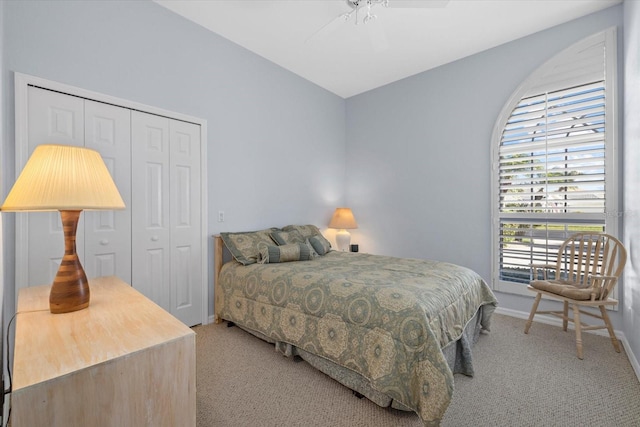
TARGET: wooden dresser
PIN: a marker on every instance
(123, 361)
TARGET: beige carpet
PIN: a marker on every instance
(521, 380)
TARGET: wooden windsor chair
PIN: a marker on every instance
(586, 271)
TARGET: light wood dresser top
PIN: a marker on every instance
(119, 321)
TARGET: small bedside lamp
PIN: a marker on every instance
(342, 220)
(67, 179)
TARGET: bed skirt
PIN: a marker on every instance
(458, 355)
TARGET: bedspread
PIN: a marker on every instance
(385, 318)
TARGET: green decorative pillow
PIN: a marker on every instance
(245, 246)
(287, 237)
(311, 234)
(284, 253)
(305, 231)
(320, 244)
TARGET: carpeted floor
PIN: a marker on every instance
(521, 380)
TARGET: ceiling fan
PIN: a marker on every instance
(359, 8)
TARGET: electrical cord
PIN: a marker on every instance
(7, 391)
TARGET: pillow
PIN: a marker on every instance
(309, 231)
(284, 253)
(244, 246)
(320, 244)
(287, 237)
(305, 230)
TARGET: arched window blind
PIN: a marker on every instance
(555, 162)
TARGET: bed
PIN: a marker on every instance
(394, 330)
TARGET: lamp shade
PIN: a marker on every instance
(343, 219)
(63, 177)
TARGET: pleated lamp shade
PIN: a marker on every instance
(343, 219)
(63, 177)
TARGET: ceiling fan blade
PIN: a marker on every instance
(417, 4)
(377, 38)
(326, 29)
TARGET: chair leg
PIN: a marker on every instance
(578, 325)
(607, 321)
(565, 318)
(533, 312)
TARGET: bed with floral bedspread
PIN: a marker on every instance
(385, 319)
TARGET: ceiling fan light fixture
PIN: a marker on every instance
(356, 5)
(370, 16)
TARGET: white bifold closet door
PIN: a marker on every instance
(166, 213)
(103, 240)
(155, 243)
(107, 234)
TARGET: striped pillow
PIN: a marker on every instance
(293, 252)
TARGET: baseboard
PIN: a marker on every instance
(554, 321)
(632, 357)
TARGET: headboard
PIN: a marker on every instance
(218, 260)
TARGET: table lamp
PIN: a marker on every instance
(67, 179)
(342, 220)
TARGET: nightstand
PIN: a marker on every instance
(123, 361)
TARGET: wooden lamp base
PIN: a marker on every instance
(70, 289)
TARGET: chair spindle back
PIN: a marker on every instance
(585, 257)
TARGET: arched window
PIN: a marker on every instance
(554, 159)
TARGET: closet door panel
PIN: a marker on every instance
(186, 280)
(151, 249)
(108, 233)
(54, 118)
(156, 242)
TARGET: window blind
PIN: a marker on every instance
(552, 155)
(552, 166)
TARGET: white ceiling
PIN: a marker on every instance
(308, 38)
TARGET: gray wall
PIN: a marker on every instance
(276, 142)
(419, 151)
(631, 313)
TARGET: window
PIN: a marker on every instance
(554, 160)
